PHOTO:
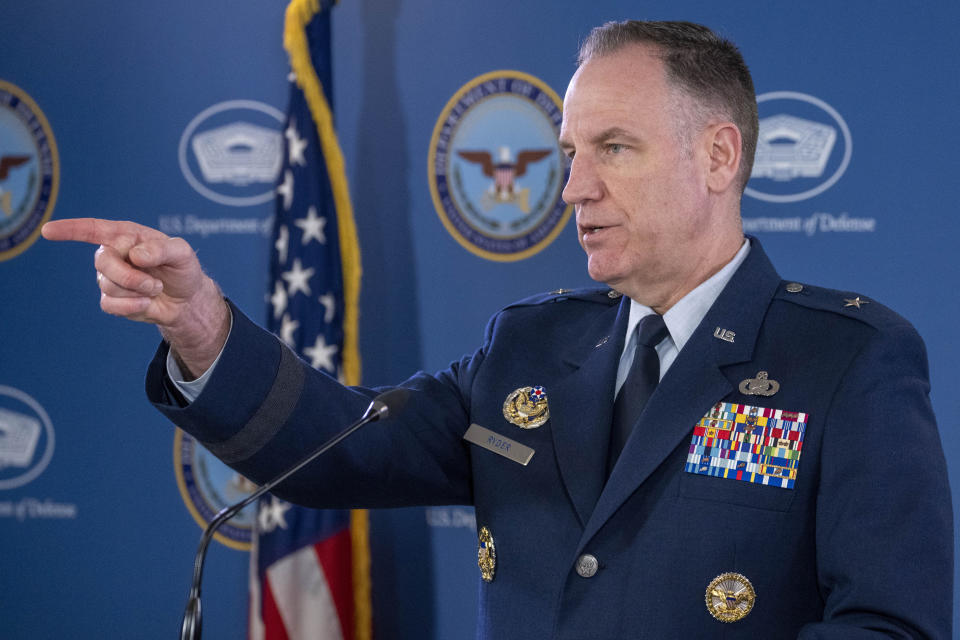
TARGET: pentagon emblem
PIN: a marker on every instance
(527, 407)
(730, 597)
(486, 555)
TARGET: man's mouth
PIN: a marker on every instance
(592, 229)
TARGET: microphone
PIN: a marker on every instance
(383, 406)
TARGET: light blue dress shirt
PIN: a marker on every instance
(681, 319)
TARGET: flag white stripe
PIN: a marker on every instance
(255, 621)
(300, 589)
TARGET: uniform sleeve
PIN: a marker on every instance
(884, 520)
(263, 409)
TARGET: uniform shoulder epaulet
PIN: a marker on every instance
(600, 295)
(845, 303)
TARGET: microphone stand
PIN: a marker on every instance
(192, 619)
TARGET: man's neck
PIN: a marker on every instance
(661, 296)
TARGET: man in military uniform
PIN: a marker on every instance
(699, 449)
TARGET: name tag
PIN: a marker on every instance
(492, 441)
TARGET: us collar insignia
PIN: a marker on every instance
(527, 407)
(759, 386)
(724, 334)
(730, 597)
(486, 555)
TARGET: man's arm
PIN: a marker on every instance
(147, 276)
(263, 407)
(884, 522)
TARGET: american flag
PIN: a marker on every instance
(309, 570)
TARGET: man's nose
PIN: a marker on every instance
(583, 183)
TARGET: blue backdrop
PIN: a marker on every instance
(99, 541)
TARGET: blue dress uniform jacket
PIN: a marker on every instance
(860, 547)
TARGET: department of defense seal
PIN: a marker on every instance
(495, 168)
(207, 486)
(486, 555)
(730, 597)
(29, 171)
(527, 407)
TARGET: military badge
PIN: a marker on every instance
(486, 555)
(759, 386)
(751, 444)
(855, 302)
(527, 407)
(730, 597)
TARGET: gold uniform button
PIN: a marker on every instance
(794, 287)
(587, 565)
(486, 555)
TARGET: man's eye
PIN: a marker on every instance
(614, 148)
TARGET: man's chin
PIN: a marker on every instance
(604, 275)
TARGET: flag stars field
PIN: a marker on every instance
(321, 355)
(282, 242)
(296, 145)
(329, 303)
(287, 327)
(286, 189)
(273, 515)
(298, 278)
(312, 227)
(278, 300)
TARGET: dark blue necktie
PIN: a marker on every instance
(639, 386)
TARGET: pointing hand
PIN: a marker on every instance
(147, 276)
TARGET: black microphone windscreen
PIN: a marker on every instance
(391, 402)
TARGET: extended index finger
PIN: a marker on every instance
(99, 231)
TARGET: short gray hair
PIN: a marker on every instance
(707, 67)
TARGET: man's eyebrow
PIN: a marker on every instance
(602, 137)
(613, 132)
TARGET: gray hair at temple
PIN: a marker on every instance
(703, 65)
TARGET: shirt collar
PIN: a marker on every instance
(683, 318)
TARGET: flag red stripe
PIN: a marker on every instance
(334, 554)
(272, 621)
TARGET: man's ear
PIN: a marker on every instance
(725, 147)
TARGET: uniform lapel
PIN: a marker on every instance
(581, 406)
(694, 382)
